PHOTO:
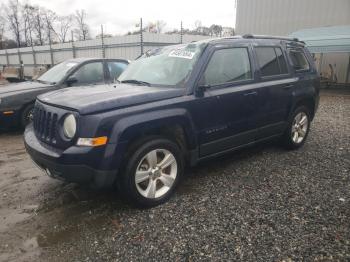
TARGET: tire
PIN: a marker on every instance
(27, 115)
(146, 164)
(298, 128)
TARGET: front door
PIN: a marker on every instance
(91, 73)
(230, 121)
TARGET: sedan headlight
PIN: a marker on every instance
(70, 126)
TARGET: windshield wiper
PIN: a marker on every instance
(46, 82)
(134, 81)
(41, 81)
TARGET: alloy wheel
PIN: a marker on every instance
(156, 173)
(299, 127)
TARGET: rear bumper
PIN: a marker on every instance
(66, 165)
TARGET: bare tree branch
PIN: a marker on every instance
(64, 24)
(13, 18)
(83, 28)
(160, 24)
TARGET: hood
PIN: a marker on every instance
(99, 98)
(24, 86)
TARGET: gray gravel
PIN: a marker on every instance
(260, 204)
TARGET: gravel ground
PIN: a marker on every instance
(259, 204)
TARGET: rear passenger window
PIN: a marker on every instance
(299, 60)
(228, 65)
(271, 61)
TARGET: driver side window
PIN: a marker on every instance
(228, 65)
(89, 73)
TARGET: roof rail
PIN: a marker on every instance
(232, 37)
(270, 37)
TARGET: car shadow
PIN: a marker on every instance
(67, 210)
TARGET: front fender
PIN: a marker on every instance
(131, 127)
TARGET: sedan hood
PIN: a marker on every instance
(99, 98)
(24, 86)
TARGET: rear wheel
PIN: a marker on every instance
(152, 173)
(298, 128)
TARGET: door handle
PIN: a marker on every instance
(254, 93)
(289, 86)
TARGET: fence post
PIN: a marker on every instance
(34, 57)
(7, 58)
(141, 36)
(51, 53)
(19, 56)
(21, 65)
(181, 33)
(102, 43)
(73, 47)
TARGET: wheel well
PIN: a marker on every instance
(309, 103)
(25, 106)
(175, 133)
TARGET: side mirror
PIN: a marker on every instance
(201, 87)
(71, 80)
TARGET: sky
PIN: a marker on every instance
(119, 17)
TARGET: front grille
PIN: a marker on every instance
(45, 125)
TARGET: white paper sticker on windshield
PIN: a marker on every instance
(182, 53)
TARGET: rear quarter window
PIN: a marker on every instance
(299, 60)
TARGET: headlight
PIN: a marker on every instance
(69, 126)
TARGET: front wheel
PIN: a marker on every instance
(152, 173)
(298, 128)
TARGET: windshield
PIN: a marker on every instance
(56, 74)
(168, 66)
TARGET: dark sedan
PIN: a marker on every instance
(17, 100)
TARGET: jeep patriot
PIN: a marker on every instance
(175, 106)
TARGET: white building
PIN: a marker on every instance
(282, 17)
(329, 18)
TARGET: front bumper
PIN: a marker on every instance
(67, 164)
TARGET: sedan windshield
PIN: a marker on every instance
(167, 66)
(57, 73)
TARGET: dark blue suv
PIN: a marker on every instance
(174, 106)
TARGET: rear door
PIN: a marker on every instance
(277, 84)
